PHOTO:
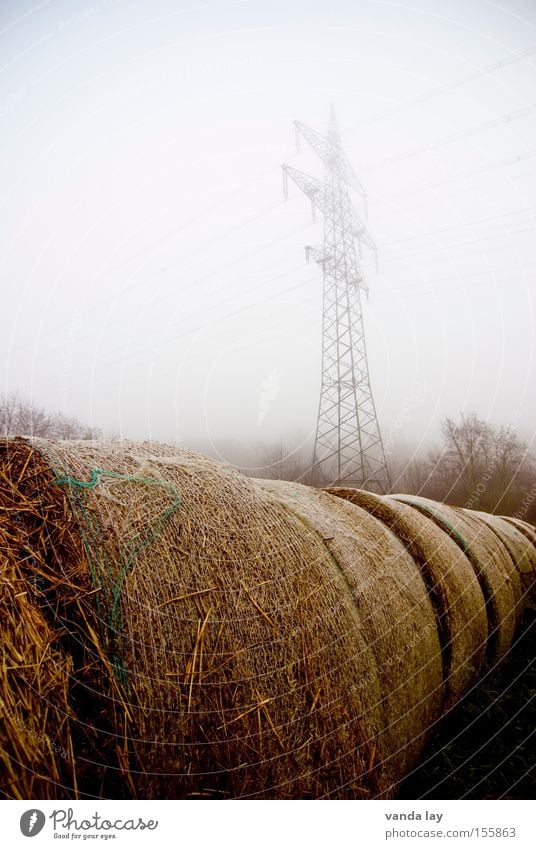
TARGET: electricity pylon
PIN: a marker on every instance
(348, 445)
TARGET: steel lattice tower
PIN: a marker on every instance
(348, 445)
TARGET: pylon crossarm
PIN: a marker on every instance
(326, 199)
(329, 150)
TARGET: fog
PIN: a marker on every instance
(154, 282)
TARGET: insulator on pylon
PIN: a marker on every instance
(285, 182)
(297, 134)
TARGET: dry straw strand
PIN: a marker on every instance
(172, 629)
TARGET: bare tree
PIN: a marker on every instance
(20, 417)
(281, 463)
(478, 466)
(412, 476)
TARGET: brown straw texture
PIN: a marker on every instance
(222, 653)
(493, 567)
(527, 530)
(522, 555)
(396, 615)
(451, 582)
(172, 629)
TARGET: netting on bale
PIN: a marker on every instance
(451, 583)
(493, 566)
(397, 619)
(523, 555)
(172, 629)
(44, 600)
(527, 530)
(216, 646)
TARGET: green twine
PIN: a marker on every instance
(90, 539)
(452, 531)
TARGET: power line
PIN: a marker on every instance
(105, 300)
(418, 151)
(177, 336)
(445, 290)
(213, 273)
(490, 273)
(202, 214)
(440, 89)
(185, 257)
(173, 291)
(470, 242)
(377, 298)
(456, 227)
(461, 175)
(256, 216)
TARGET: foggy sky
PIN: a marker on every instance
(154, 281)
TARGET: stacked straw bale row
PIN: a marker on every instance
(173, 629)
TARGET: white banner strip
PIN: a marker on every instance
(269, 825)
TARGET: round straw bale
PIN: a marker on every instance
(36, 755)
(522, 552)
(493, 566)
(35, 752)
(500, 552)
(173, 629)
(528, 530)
(44, 554)
(228, 647)
(451, 583)
(396, 616)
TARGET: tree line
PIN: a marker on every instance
(477, 465)
(18, 416)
